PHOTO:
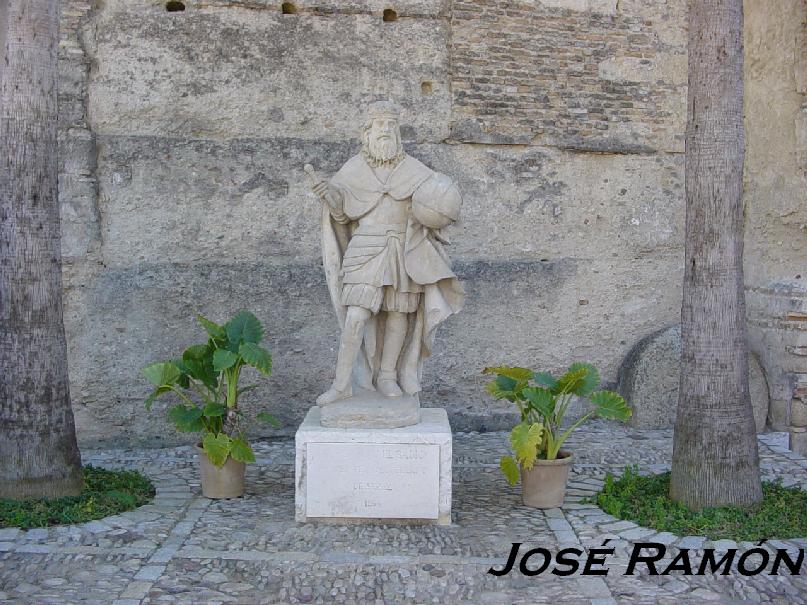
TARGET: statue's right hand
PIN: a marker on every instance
(328, 194)
(321, 189)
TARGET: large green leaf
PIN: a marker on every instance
(223, 359)
(525, 438)
(214, 410)
(610, 405)
(217, 448)
(188, 419)
(503, 387)
(183, 380)
(571, 381)
(267, 417)
(510, 469)
(197, 352)
(244, 327)
(545, 379)
(591, 381)
(160, 374)
(541, 399)
(240, 450)
(156, 393)
(203, 372)
(257, 357)
(198, 360)
(214, 329)
(517, 374)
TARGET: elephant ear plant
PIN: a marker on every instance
(542, 401)
(206, 381)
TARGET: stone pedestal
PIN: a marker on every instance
(350, 475)
(371, 410)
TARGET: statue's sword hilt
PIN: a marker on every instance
(309, 170)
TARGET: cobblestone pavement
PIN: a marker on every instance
(184, 548)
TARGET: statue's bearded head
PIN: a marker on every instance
(381, 135)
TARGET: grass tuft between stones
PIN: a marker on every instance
(105, 493)
(644, 500)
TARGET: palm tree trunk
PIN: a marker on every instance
(715, 457)
(38, 451)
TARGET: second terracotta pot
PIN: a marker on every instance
(224, 482)
(544, 485)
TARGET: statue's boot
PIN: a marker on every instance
(387, 384)
(410, 387)
(364, 379)
(333, 395)
(366, 384)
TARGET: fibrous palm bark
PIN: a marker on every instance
(38, 451)
(715, 457)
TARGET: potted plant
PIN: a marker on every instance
(205, 379)
(542, 401)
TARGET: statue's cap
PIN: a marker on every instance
(383, 109)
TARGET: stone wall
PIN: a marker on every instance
(184, 135)
(776, 196)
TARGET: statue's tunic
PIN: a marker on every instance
(383, 266)
(373, 271)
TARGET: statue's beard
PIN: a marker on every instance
(383, 152)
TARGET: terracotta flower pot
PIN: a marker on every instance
(544, 485)
(224, 482)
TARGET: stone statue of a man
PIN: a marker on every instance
(389, 276)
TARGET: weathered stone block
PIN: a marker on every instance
(549, 114)
(402, 474)
(245, 70)
(196, 200)
(649, 380)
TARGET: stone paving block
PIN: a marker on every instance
(36, 534)
(580, 508)
(637, 533)
(691, 542)
(96, 527)
(34, 548)
(594, 587)
(618, 526)
(665, 538)
(676, 586)
(705, 595)
(136, 590)
(599, 517)
(558, 524)
(150, 572)
(9, 533)
(567, 537)
(164, 554)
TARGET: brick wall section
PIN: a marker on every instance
(526, 73)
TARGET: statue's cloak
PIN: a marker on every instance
(425, 261)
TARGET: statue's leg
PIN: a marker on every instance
(349, 346)
(394, 336)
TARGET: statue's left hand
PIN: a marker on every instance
(438, 235)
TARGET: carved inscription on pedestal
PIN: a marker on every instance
(372, 480)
